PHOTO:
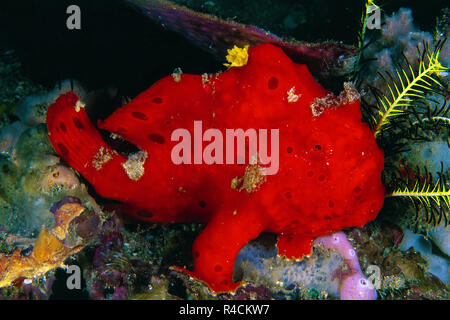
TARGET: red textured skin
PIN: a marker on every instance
(330, 165)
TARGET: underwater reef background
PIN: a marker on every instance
(50, 217)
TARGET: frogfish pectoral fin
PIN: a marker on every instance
(79, 143)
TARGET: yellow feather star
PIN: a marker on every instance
(369, 7)
(439, 194)
(414, 86)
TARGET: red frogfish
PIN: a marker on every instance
(316, 167)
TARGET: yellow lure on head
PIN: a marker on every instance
(237, 57)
